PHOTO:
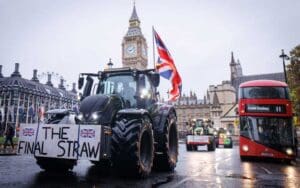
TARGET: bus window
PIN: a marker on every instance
(263, 93)
(269, 131)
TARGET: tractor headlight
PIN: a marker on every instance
(80, 116)
(145, 94)
(95, 116)
(245, 148)
(289, 151)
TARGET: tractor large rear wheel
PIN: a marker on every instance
(166, 159)
(132, 147)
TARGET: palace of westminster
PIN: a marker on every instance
(21, 99)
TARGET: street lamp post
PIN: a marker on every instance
(284, 57)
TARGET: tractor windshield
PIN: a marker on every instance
(123, 85)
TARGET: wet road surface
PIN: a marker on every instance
(221, 168)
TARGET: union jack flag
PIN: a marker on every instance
(28, 132)
(166, 68)
(87, 133)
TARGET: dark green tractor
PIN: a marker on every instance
(138, 132)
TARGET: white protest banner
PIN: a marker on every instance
(65, 141)
(26, 143)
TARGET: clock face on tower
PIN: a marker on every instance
(130, 50)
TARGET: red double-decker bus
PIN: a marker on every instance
(265, 112)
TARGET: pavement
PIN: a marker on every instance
(8, 150)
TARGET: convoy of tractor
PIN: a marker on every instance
(202, 136)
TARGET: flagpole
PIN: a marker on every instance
(153, 48)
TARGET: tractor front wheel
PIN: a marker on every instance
(166, 160)
(132, 147)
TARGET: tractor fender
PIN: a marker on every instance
(160, 118)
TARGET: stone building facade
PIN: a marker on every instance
(221, 99)
(185, 113)
(22, 100)
(189, 107)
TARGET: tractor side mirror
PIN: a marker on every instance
(155, 79)
(142, 81)
(80, 82)
(88, 87)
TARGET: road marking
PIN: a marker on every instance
(266, 170)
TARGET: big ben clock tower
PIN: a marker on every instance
(134, 45)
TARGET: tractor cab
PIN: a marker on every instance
(131, 85)
(114, 89)
(201, 127)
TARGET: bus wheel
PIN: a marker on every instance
(243, 158)
(188, 147)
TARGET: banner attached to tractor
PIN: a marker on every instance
(67, 141)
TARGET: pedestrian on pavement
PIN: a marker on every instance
(10, 132)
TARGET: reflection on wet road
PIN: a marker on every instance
(221, 168)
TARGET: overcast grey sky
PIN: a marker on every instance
(73, 36)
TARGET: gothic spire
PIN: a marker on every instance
(134, 24)
(204, 100)
(134, 16)
(216, 100)
(232, 59)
